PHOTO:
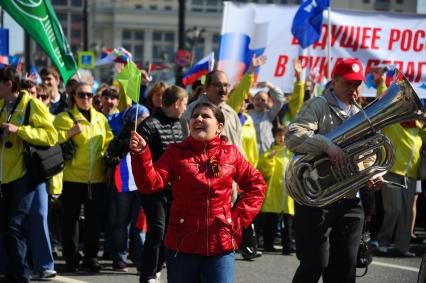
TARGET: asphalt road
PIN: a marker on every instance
(271, 267)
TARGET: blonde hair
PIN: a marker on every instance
(173, 94)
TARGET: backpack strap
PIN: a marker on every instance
(27, 113)
(72, 117)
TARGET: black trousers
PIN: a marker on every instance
(156, 207)
(73, 196)
(327, 241)
(270, 223)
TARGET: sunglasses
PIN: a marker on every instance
(83, 94)
(43, 97)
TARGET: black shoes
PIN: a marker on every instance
(72, 262)
(120, 266)
(288, 250)
(71, 266)
(91, 265)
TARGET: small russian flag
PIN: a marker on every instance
(117, 55)
(390, 71)
(201, 68)
(123, 176)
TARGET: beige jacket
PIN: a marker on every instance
(315, 119)
(306, 134)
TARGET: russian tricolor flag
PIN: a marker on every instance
(123, 176)
(201, 68)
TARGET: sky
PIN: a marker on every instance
(16, 35)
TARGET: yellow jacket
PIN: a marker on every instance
(407, 144)
(55, 184)
(248, 132)
(39, 131)
(295, 102)
(272, 165)
(240, 93)
(91, 143)
(249, 141)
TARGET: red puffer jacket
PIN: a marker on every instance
(201, 221)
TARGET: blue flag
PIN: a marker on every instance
(4, 42)
(306, 27)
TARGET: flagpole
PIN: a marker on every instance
(80, 79)
(329, 43)
(211, 65)
(136, 116)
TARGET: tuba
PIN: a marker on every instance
(314, 181)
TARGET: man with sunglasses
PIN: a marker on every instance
(217, 89)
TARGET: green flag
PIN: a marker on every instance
(130, 80)
(39, 20)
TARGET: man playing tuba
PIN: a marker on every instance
(327, 238)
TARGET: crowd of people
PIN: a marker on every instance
(181, 179)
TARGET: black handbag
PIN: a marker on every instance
(42, 162)
(69, 148)
(364, 256)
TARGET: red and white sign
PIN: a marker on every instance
(183, 57)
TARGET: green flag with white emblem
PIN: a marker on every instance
(39, 20)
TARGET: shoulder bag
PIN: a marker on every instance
(42, 162)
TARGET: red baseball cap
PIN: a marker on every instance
(349, 69)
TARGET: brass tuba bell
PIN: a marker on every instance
(313, 181)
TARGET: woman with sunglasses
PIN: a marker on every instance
(84, 176)
(202, 233)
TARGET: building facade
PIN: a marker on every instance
(149, 28)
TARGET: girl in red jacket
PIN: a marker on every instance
(203, 233)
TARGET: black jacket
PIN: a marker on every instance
(117, 149)
(159, 131)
